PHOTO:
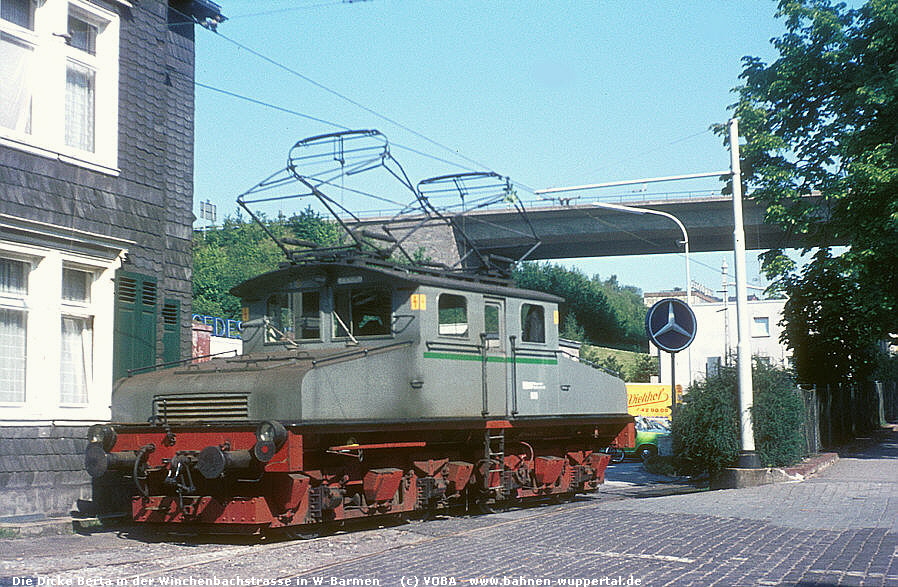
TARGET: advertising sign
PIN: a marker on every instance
(651, 400)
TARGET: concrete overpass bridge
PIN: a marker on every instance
(584, 230)
(574, 227)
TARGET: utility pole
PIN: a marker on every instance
(747, 457)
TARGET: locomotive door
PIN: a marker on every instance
(495, 378)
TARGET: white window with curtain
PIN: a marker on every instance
(13, 325)
(76, 351)
(76, 360)
(17, 43)
(58, 70)
(81, 80)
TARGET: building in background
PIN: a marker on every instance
(715, 338)
(96, 194)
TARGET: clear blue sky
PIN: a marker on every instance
(549, 93)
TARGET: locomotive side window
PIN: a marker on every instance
(280, 318)
(453, 315)
(492, 325)
(293, 316)
(365, 311)
(307, 307)
(533, 323)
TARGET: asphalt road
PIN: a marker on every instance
(840, 527)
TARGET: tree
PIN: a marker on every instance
(603, 312)
(823, 119)
(240, 249)
(642, 368)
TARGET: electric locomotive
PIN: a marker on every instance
(368, 387)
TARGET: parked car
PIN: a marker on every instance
(648, 433)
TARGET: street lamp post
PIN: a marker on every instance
(748, 458)
(669, 216)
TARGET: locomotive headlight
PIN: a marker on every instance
(270, 437)
(102, 434)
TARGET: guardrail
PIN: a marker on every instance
(566, 200)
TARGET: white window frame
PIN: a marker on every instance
(52, 54)
(79, 310)
(760, 327)
(19, 302)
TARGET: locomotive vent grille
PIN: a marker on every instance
(201, 407)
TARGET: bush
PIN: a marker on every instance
(706, 427)
(777, 416)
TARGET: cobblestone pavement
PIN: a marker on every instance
(839, 528)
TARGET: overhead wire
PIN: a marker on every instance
(652, 150)
(292, 112)
(347, 99)
(295, 9)
(268, 105)
(480, 165)
(385, 118)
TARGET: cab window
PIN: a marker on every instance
(533, 323)
(293, 316)
(280, 318)
(364, 311)
(308, 320)
(453, 315)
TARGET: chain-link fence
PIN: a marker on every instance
(838, 413)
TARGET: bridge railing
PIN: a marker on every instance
(534, 202)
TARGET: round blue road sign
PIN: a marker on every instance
(671, 325)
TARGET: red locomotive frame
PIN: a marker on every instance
(312, 480)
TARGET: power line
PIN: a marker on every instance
(647, 151)
(480, 166)
(349, 100)
(268, 105)
(295, 9)
(321, 120)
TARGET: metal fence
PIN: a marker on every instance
(838, 413)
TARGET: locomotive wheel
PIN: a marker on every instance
(303, 533)
(559, 498)
(483, 503)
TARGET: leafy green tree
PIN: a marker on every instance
(830, 323)
(571, 329)
(608, 313)
(240, 249)
(823, 119)
(641, 369)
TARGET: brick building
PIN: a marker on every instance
(96, 193)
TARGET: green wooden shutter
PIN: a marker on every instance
(171, 331)
(135, 322)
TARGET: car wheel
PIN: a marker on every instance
(647, 451)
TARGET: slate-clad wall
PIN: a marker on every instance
(149, 202)
(41, 471)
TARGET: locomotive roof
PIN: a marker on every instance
(398, 275)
